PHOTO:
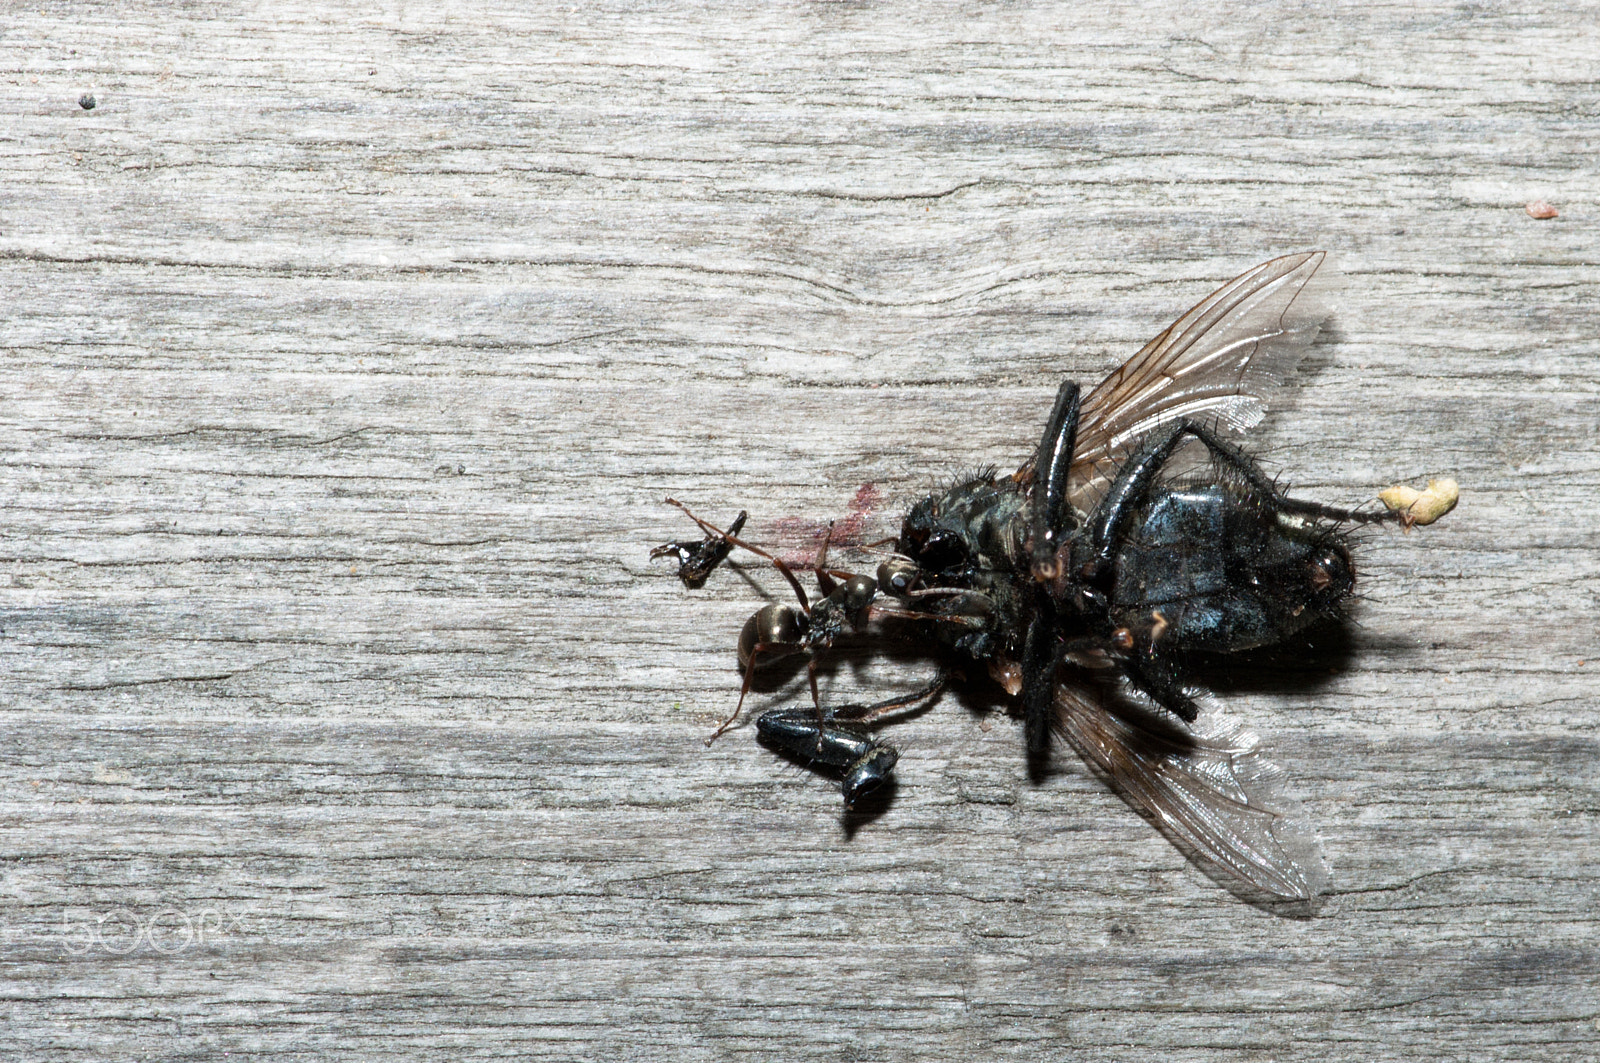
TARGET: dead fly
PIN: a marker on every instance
(1135, 540)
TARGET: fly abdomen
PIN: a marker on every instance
(1221, 571)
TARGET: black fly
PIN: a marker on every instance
(1134, 538)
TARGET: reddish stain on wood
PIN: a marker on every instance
(848, 531)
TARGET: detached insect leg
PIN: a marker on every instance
(697, 558)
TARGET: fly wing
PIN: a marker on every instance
(1210, 789)
(1215, 362)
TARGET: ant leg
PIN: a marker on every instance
(816, 702)
(749, 675)
(778, 622)
(919, 699)
(1052, 512)
(826, 585)
(824, 581)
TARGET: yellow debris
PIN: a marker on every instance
(1421, 507)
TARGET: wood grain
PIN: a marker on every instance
(347, 356)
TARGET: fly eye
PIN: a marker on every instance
(943, 550)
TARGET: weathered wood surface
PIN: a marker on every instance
(348, 356)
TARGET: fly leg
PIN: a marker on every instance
(1154, 675)
(1053, 520)
(1043, 653)
(1131, 488)
(1235, 460)
(1052, 464)
(1109, 526)
(840, 739)
(1038, 682)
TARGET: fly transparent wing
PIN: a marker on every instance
(1210, 789)
(1216, 362)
